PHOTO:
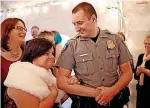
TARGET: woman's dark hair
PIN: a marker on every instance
(6, 26)
(36, 48)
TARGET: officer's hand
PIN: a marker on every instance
(106, 95)
(73, 80)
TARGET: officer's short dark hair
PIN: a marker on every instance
(36, 48)
(86, 7)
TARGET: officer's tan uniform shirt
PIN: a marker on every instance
(95, 63)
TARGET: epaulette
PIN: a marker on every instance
(108, 32)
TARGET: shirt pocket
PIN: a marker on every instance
(84, 64)
(111, 60)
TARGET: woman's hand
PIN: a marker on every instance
(73, 80)
(49, 101)
(54, 90)
(140, 70)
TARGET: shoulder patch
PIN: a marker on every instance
(65, 47)
(108, 32)
(110, 44)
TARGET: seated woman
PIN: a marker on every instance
(30, 82)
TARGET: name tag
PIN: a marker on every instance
(83, 55)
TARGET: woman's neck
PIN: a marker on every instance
(15, 51)
(14, 47)
(147, 53)
(14, 54)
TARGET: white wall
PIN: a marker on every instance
(136, 24)
(59, 18)
(137, 27)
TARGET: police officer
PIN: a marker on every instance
(94, 56)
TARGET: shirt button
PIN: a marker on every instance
(95, 45)
(101, 68)
(99, 57)
(103, 79)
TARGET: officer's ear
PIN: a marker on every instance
(93, 18)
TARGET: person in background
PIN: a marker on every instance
(94, 55)
(127, 90)
(50, 36)
(142, 75)
(55, 38)
(13, 32)
(57, 42)
(34, 31)
(122, 36)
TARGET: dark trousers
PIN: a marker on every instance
(56, 105)
(143, 95)
(89, 102)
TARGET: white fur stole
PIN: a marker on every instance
(32, 79)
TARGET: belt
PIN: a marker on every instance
(56, 105)
(119, 99)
